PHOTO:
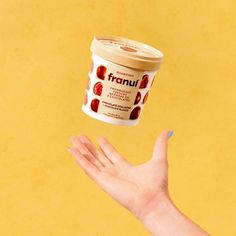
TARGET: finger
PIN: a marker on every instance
(96, 153)
(110, 152)
(89, 168)
(76, 142)
(161, 146)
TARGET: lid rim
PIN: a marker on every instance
(126, 58)
(98, 38)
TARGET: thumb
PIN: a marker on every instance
(161, 146)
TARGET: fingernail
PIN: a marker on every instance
(170, 133)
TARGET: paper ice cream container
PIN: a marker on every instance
(120, 78)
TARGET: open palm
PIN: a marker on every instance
(137, 188)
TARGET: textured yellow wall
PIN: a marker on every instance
(44, 59)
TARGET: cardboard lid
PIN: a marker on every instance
(127, 52)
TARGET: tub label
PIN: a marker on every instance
(120, 87)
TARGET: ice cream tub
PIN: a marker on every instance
(120, 78)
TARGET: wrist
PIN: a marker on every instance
(157, 208)
(156, 217)
(164, 218)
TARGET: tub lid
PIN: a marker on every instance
(127, 52)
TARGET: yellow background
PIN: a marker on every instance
(44, 60)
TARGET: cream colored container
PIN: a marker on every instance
(121, 75)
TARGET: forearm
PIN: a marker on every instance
(165, 220)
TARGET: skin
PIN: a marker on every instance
(142, 189)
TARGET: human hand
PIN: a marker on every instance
(137, 188)
(142, 189)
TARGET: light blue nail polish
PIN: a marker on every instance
(170, 133)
